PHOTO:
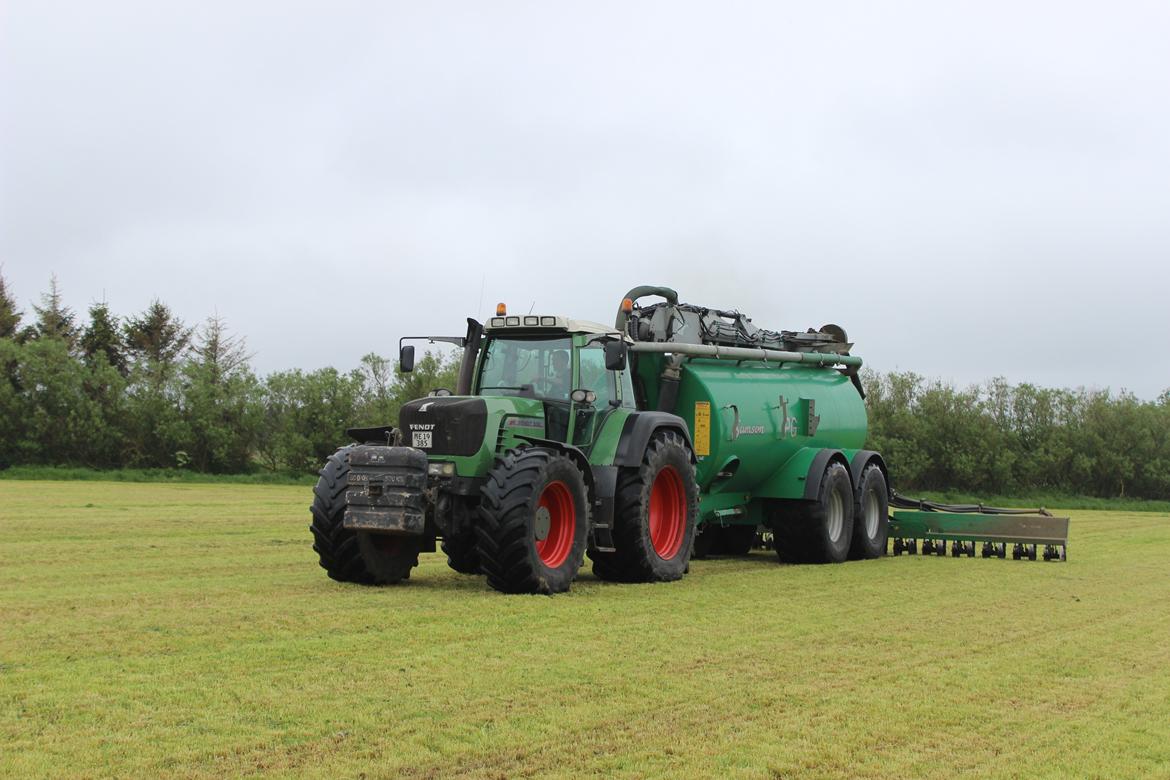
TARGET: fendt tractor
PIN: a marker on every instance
(679, 432)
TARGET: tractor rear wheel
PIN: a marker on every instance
(818, 531)
(337, 547)
(871, 524)
(655, 509)
(462, 555)
(534, 522)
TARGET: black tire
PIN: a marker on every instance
(871, 519)
(352, 556)
(819, 531)
(704, 544)
(522, 493)
(738, 539)
(658, 551)
(337, 548)
(462, 554)
(389, 557)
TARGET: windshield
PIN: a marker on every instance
(538, 366)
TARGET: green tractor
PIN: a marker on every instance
(680, 431)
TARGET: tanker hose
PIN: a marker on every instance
(640, 292)
(900, 501)
(856, 380)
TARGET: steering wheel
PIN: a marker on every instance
(542, 385)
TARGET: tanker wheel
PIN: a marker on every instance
(655, 509)
(534, 522)
(389, 557)
(462, 555)
(871, 524)
(819, 531)
(337, 548)
(739, 539)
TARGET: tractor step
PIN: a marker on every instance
(602, 538)
(1030, 533)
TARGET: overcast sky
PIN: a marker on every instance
(970, 189)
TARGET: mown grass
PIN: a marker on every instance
(186, 476)
(186, 631)
(79, 473)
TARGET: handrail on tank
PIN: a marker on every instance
(745, 353)
(641, 292)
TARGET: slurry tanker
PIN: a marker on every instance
(680, 432)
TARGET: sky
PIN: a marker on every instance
(970, 189)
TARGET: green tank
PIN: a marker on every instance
(770, 415)
(757, 416)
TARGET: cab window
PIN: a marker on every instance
(511, 365)
(595, 377)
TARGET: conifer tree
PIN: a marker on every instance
(9, 314)
(156, 338)
(104, 336)
(55, 320)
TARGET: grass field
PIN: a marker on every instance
(186, 630)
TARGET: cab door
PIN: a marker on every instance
(591, 374)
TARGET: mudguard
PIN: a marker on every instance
(636, 433)
(800, 477)
(861, 460)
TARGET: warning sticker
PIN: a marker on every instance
(702, 431)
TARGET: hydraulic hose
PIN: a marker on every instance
(902, 502)
(640, 292)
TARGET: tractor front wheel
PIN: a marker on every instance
(337, 547)
(655, 509)
(534, 522)
(462, 555)
(389, 557)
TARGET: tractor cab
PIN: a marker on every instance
(539, 376)
(575, 370)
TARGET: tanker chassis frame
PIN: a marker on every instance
(680, 432)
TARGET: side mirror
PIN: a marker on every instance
(406, 359)
(615, 355)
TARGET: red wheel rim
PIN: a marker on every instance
(668, 513)
(554, 548)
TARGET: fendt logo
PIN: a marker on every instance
(422, 436)
(426, 406)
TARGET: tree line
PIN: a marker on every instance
(148, 391)
(1003, 439)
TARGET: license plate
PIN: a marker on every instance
(421, 439)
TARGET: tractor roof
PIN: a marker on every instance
(536, 323)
